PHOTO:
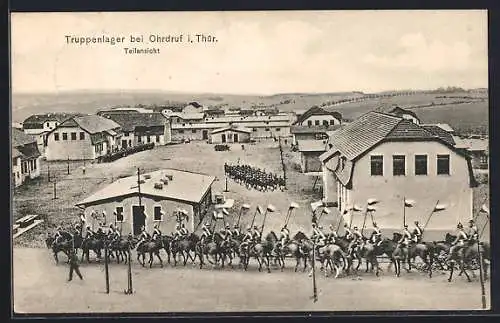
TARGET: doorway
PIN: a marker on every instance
(139, 218)
(124, 144)
(204, 134)
(223, 138)
(235, 137)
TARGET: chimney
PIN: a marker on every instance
(158, 186)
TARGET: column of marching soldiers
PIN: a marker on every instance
(254, 178)
(230, 242)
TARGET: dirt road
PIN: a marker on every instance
(40, 287)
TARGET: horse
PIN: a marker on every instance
(261, 251)
(344, 244)
(122, 247)
(184, 246)
(64, 246)
(95, 244)
(291, 248)
(152, 247)
(424, 251)
(214, 247)
(399, 254)
(333, 255)
(166, 245)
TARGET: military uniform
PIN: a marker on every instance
(417, 233)
(285, 236)
(206, 232)
(59, 235)
(156, 233)
(459, 241)
(376, 235)
(348, 232)
(143, 237)
(473, 232)
(256, 234)
(236, 231)
(89, 234)
(248, 235)
(73, 266)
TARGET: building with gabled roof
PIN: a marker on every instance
(83, 137)
(388, 158)
(161, 193)
(25, 157)
(230, 134)
(319, 116)
(139, 128)
(405, 114)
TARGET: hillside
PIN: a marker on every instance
(466, 111)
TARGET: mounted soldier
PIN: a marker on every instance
(156, 233)
(417, 233)
(59, 235)
(248, 235)
(257, 237)
(356, 238)
(284, 236)
(89, 233)
(405, 237)
(332, 236)
(348, 232)
(459, 241)
(376, 238)
(236, 231)
(228, 234)
(184, 231)
(206, 232)
(144, 237)
(473, 232)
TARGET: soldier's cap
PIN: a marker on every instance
(355, 228)
(228, 226)
(471, 221)
(88, 227)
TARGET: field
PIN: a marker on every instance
(37, 197)
(42, 288)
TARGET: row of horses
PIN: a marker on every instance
(254, 178)
(333, 256)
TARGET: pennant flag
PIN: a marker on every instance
(224, 211)
(260, 209)
(484, 209)
(356, 208)
(293, 205)
(440, 207)
(245, 206)
(371, 208)
(271, 208)
(409, 203)
(372, 201)
(325, 211)
(315, 205)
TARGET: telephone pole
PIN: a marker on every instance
(139, 185)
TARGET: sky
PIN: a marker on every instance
(255, 52)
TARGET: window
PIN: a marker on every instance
(65, 136)
(193, 131)
(267, 129)
(316, 123)
(325, 122)
(56, 136)
(158, 214)
(181, 131)
(73, 136)
(377, 165)
(34, 164)
(443, 164)
(398, 165)
(148, 139)
(309, 123)
(82, 135)
(157, 138)
(254, 129)
(119, 214)
(48, 124)
(267, 122)
(278, 129)
(332, 122)
(420, 164)
(139, 138)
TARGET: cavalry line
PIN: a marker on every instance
(43, 289)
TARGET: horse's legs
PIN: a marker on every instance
(462, 265)
(184, 258)
(452, 267)
(159, 258)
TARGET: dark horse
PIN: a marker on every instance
(152, 247)
(215, 247)
(184, 246)
(64, 246)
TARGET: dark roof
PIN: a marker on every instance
(400, 111)
(363, 133)
(195, 104)
(441, 133)
(91, 123)
(296, 129)
(41, 118)
(19, 138)
(130, 120)
(319, 111)
(23, 145)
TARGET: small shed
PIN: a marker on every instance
(310, 150)
(231, 134)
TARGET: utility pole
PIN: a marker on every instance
(106, 269)
(48, 172)
(55, 191)
(68, 165)
(139, 185)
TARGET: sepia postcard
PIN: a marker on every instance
(272, 161)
